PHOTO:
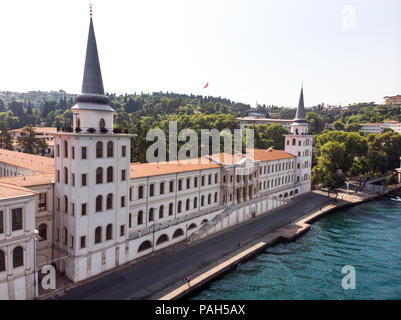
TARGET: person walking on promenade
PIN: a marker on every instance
(188, 279)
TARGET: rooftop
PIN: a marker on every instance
(264, 119)
(11, 191)
(39, 129)
(36, 163)
(29, 180)
(271, 155)
(141, 170)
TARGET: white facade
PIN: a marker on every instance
(17, 252)
(377, 128)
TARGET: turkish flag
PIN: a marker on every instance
(207, 84)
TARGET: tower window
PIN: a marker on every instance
(99, 175)
(110, 151)
(102, 124)
(99, 149)
(98, 235)
(99, 200)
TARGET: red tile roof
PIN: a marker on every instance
(28, 161)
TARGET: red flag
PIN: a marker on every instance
(207, 84)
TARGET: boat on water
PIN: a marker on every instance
(398, 199)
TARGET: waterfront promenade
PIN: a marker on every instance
(161, 275)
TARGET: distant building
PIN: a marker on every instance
(46, 133)
(252, 121)
(377, 128)
(393, 101)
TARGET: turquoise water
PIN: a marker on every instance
(367, 237)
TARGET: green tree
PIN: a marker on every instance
(29, 143)
(6, 138)
(316, 123)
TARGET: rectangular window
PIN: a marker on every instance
(122, 230)
(122, 202)
(123, 151)
(73, 152)
(83, 209)
(130, 194)
(179, 185)
(83, 183)
(196, 182)
(123, 175)
(188, 183)
(152, 190)
(73, 179)
(1, 222)
(42, 202)
(58, 175)
(140, 192)
(58, 204)
(73, 209)
(171, 186)
(83, 153)
(162, 188)
(57, 235)
(72, 242)
(57, 150)
(203, 181)
(83, 242)
(16, 216)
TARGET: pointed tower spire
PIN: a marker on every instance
(300, 116)
(92, 85)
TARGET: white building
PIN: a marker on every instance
(44, 133)
(377, 128)
(254, 121)
(95, 210)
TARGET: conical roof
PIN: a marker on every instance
(300, 116)
(92, 85)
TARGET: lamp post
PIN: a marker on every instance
(153, 249)
(34, 267)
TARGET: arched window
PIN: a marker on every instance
(179, 207)
(204, 221)
(170, 209)
(65, 175)
(140, 192)
(65, 204)
(99, 203)
(109, 201)
(140, 217)
(161, 212)
(18, 257)
(151, 214)
(99, 175)
(102, 124)
(98, 235)
(2, 261)
(178, 233)
(110, 147)
(163, 238)
(187, 205)
(192, 226)
(145, 246)
(65, 148)
(110, 174)
(293, 142)
(195, 202)
(99, 149)
(43, 232)
(109, 232)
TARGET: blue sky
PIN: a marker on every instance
(253, 50)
